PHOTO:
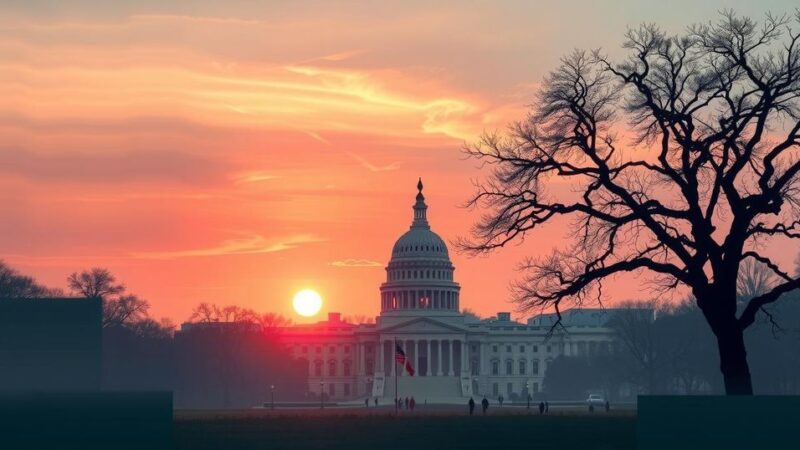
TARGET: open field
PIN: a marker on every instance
(379, 429)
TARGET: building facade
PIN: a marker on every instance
(453, 355)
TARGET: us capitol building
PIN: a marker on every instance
(454, 356)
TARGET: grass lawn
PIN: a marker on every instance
(380, 430)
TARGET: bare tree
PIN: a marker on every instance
(755, 278)
(96, 282)
(16, 285)
(124, 310)
(205, 313)
(119, 308)
(711, 171)
(471, 315)
(359, 319)
(634, 325)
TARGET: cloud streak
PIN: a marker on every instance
(354, 262)
(246, 245)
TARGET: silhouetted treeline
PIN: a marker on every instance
(228, 357)
(672, 352)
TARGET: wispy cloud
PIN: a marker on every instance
(353, 262)
(372, 167)
(251, 244)
(338, 56)
(254, 177)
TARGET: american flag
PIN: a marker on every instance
(400, 358)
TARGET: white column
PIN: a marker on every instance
(429, 369)
(416, 355)
(465, 357)
(450, 370)
(439, 359)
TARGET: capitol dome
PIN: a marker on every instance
(419, 276)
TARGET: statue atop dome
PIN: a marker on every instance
(420, 209)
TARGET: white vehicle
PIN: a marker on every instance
(596, 400)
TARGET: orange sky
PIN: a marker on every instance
(236, 154)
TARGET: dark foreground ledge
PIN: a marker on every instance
(717, 422)
(86, 420)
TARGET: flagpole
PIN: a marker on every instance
(396, 394)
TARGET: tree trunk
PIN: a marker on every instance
(733, 361)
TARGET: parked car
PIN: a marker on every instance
(595, 400)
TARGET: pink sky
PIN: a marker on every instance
(236, 154)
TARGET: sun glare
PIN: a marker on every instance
(307, 302)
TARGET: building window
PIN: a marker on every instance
(535, 387)
(522, 349)
(318, 368)
(535, 368)
(495, 368)
(494, 349)
(346, 389)
(522, 367)
(333, 349)
(509, 367)
(347, 369)
(474, 348)
(508, 348)
(332, 390)
(332, 368)
(474, 366)
(347, 349)
(318, 350)
(549, 348)
(509, 389)
(535, 349)
(495, 389)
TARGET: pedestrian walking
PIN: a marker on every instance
(484, 405)
(471, 406)
(541, 408)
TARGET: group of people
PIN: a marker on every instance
(544, 407)
(408, 402)
(366, 401)
(484, 405)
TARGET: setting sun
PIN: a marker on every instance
(307, 302)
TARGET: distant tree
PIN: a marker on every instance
(205, 313)
(153, 329)
(272, 321)
(119, 307)
(208, 313)
(15, 285)
(755, 278)
(124, 310)
(471, 315)
(711, 172)
(95, 283)
(359, 319)
(635, 326)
